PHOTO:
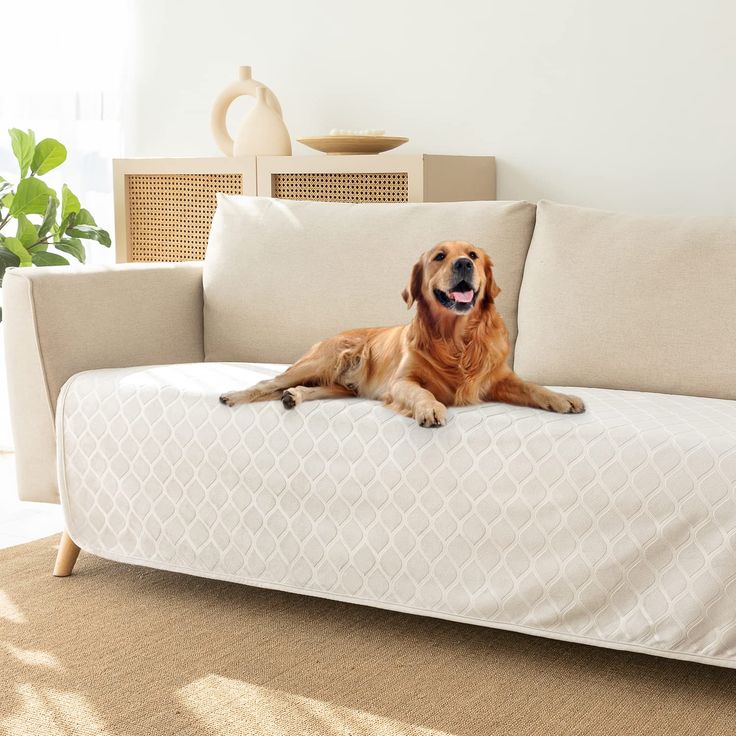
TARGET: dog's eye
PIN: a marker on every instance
(439, 257)
(472, 255)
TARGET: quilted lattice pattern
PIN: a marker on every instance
(615, 527)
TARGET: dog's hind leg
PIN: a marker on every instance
(271, 390)
(322, 366)
(294, 396)
(249, 396)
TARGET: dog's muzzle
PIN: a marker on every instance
(460, 297)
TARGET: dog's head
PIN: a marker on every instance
(454, 277)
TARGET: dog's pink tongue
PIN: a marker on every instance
(462, 296)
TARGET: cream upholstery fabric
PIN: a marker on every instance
(59, 321)
(637, 303)
(280, 275)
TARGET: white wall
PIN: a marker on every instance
(621, 104)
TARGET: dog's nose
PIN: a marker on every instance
(463, 267)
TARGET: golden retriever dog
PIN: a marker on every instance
(453, 353)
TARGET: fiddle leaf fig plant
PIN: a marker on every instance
(37, 227)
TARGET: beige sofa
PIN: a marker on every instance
(615, 527)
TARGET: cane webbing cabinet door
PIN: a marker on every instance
(164, 207)
(382, 178)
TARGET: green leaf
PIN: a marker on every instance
(69, 203)
(49, 218)
(23, 145)
(17, 248)
(89, 232)
(48, 155)
(7, 260)
(7, 200)
(31, 198)
(74, 247)
(69, 221)
(27, 232)
(84, 217)
(42, 258)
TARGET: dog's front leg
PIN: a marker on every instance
(409, 398)
(512, 390)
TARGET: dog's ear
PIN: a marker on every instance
(492, 288)
(495, 288)
(413, 289)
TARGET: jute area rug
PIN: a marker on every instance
(117, 650)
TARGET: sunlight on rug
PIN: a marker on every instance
(53, 713)
(33, 658)
(9, 611)
(223, 704)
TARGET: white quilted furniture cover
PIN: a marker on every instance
(616, 527)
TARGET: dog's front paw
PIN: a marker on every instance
(227, 399)
(431, 414)
(565, 404)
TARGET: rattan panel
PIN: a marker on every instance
(342, 187)
(169, 215)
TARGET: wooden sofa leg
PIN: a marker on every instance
(66, 556)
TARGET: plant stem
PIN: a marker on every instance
(39, 242)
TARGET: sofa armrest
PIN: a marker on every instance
(60, 321)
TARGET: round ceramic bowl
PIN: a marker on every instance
(343, 145)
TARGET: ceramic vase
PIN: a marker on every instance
(262, 132)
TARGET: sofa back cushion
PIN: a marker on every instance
(281, 275)
(639, 303)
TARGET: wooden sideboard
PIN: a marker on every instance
(164, 206)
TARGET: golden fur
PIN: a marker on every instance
(451, 354)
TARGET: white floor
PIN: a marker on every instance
(20, 521)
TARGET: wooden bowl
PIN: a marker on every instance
(344, 145)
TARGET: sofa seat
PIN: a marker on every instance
(616, 527)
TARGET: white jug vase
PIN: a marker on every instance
(262, 132)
